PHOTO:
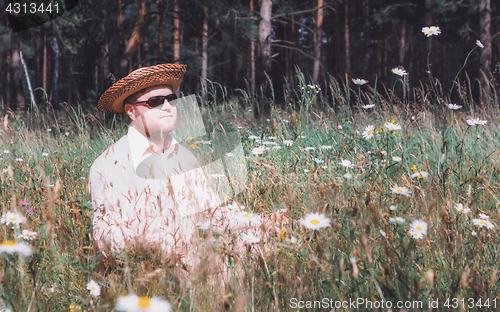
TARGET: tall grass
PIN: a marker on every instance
(348, 260)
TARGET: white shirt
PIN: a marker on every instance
(137, 194)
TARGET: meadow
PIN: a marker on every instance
(406, 210)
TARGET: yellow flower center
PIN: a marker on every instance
(314, 222)
(144, 302)
(369, 132)
(12, 219)
(482, 222)
(399, 190)
(246, 215)
(93, 288)
(419, 228)
(9, 243)
(416, 234)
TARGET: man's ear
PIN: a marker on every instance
(130, 111)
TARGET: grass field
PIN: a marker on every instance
(370, 249)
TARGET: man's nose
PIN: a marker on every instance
(166, 105)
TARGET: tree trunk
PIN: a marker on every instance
(402, 47)
(204, 53)
(318, 41)
(252, 57)
(265, 55)
(346, 37)
(177, 36)
(17, 75)
(133, 43)
(485, 58)
(44, 75)
(113, 42)
(55, 82)
(161, 29)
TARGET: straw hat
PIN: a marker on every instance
(170, 74)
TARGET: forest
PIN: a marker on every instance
(75, 57)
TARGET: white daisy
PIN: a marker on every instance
(66, 133)
(326, 147)
(319, 161)
(229, 154)
(473, 233)
(420, 175)
(453, 106)
(306, 170)
(346, 163)
(12, 218)
(368, 106)
(235, 207)
(44, 154)
(462, 208)
(253, 137)
(397, 158)
(368, 133)
(418, 226)
(477, 121)
(217, 175)
(292, 240)
(430, 31)
(339, 127)
(258, 150)
(28, 235)
(288, 142)
(359, 81)
(315, 221)
(248, 218)
(19, 159)
(95, 289)
(53, 288)
(134, 303)
(392, 207)
(249, 238)
(479, 44)
(382, 232)
(392, 126)
(400, 190)
(483, 223)
(6, 152)
(399, 71)
(397, 220)
(11, 247)
(276, 148)
(310, 148)
(347, 176)
(483, 216)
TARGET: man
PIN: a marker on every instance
(146, 188)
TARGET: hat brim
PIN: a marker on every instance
(162, 74)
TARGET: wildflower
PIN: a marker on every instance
(306, 170)
(347, 176)
(359, 81)
(369, 152)
(247, 217)
(339, 127)
(400, 190)
(453, 106)
(258, 150)
(461, 208)
(23, 203)
(53, 288)
(473, 233)
(234, 206)
(82, 178)
(218, 175)
(418, 226)
(276, 148)
(288, 142)
(479, 44)
(433, 30)
(30, 211)
(19, 159)
(44, 154)
(292, 240)
(477, 121)
(483, 216)
(6, 152)
(319, 161)
(286, 121)
(310, 148)
(203, 142)
(483, 223)
(382, 232)
(301, 136)
(229, 154)
(346, 163)
(11, 247)
(12, 218)
(326, 147)
(253, 137)
(392, 126)
(49, 130)
(383, 153)
(28, 235)
(268, 143)
(399, 71)
(396, 158)
(315, 221)
(397, 220)
(420, 175)
(66, 133)
(249, 238)
(392, 207)
(356, 132)
(95, 289)
(134, 303)
(368, 106)
(271, 138)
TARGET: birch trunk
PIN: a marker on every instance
(318, 41)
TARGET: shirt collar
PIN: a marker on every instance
(138, 144)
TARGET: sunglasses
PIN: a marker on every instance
(158, 100)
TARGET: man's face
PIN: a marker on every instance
(158, 121)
